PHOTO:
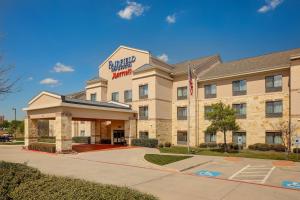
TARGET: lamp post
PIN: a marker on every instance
(15, 113)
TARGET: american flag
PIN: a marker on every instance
(190, 77)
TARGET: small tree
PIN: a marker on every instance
(287, 133)
(222, 118)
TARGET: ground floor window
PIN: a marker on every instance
(210, 137)
(82, 132)
(236, 135)
(273, 138)
(144, 135)
(182, 137)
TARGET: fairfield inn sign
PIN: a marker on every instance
(121, 67)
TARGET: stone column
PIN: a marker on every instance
(31, 131)
(130, 130)
(63, 132)
(95, 131)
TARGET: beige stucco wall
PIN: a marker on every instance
(295, 97)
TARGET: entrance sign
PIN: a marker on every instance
(291, 184)
(121, 67)
(208, 173)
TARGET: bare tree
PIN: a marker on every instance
(287, 130)
(6, 84)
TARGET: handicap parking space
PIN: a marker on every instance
(257, 171)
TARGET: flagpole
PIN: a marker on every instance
(189, 97)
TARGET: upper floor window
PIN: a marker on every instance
(181, 113)
(143, 91)
(274, 83)
(239, 87)
(207, 109)
(143, 112)
(115, 96)
(273, 138)
(274, 108)
(127, 95)
(210, 91)
(181, 93)
(240, 110)
(94, 97)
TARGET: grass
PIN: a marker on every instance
(243, 153)
(12, 143)
(164, 159)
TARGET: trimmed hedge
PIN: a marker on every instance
(295, 150)
(82, 139)
(12, 175)
(45, 147)
(152, 143)
(47, 139)
(168, 144)
(19, 182)
(208, 145)
(267, 147)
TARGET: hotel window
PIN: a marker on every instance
(273, 138)
(82, 132)
(210, 91)
(182, 93)
(127, 95)
(239, 87)
(210, 137)
(240, 110)
(236, 135)
(274, 108)
(181, 113)
(274, 83)
(115, 96)
(143, 112)
(182, 137)
(207, 109)
(143, 91)
(144, 135)
(94, 97)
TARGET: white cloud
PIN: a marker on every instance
(61, 68)
(171, 19)
(269, 5)
(49, 81)
(132, 9)
(164, 57)
(30, 78)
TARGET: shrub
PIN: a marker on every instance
(278, 147)
(295, 150)
(12, 175)
(59, 188)
(161, 145)
(45, 147)
(152, 143)
(208, 145)
(168, 144)
(47, 139)
(82, 139)
(260, 147)
(105, 141)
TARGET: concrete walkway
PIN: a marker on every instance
(127, 167)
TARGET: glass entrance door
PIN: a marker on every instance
(119, 137)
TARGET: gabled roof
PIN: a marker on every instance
(251, 65)
(96, 79)
(77, 95)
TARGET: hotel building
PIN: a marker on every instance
(136, 95)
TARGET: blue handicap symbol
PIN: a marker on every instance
(208, 173)
(291, 184)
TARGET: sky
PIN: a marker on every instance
(56, 45)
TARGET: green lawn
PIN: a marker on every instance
(164, 159)
(12, 143)
(243, 153)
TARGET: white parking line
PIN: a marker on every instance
(257, 174)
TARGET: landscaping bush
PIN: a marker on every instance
(278, 147)
(82, 139)
(295, 150)
(12, 175)
(105, 141)
(208, 145)
(45, 147)
(152, 143)
(168, 144)
(161, 145)
(47, 139)
(260, 147)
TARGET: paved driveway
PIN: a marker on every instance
(127, 167)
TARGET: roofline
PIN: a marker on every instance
(246, 73)
(42, 93)
(125, 47)
(153, 68)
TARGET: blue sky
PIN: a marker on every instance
(57, 45)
